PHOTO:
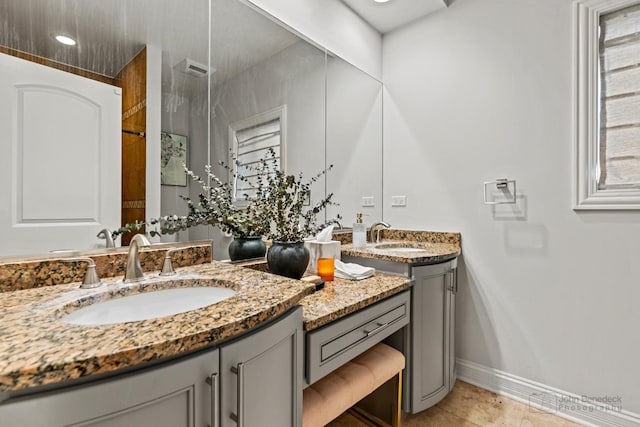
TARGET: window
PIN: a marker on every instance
(250, 141)
(607, 104)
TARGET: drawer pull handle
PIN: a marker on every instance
(238, 417)
(212, 380)
(377, 329)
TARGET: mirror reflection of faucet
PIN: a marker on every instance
(106, 234)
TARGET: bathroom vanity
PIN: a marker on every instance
(429, 341)
(237, 362)
(242, 382)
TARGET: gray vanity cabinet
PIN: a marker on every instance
(256, 379)
(261, 376)
(429, 340)
(173, 394)
(432, 360)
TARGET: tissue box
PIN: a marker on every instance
(317, 250)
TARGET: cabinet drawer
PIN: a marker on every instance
(330, 347)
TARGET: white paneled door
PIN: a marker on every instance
(60, 139)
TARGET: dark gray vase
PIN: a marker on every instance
(289, 259)
(246, 248)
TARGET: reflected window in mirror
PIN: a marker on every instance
(252, 140)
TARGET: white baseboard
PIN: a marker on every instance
(544, 398)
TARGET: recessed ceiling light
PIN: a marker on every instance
(380, 1)
(66, 40)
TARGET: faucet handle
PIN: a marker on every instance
(91, 279)
(167, 266)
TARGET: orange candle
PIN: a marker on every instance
(326, 268)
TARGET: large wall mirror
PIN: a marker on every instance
(88, 126)
(210, 67)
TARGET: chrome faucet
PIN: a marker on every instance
(374, 231)
(133, 272)
(106, 234)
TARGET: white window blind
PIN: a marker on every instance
(619, 147)
(253, 144)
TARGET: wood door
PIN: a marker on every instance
(133, 80)
(60, 160)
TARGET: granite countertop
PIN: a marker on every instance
(434, 247)
(38, 349)
(342, 297)
(387, 250)
(33, 271)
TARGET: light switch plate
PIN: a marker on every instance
(398, 201)
(368, 202)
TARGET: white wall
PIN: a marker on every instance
(199, 155)
(354, 142)
(480, 91)
(175, 119)
(294, 77)
(332, 25)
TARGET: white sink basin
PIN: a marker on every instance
(403, 249)
(149, 305)
(398, 247)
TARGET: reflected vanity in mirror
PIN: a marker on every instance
(195, 68)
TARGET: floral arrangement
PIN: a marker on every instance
(283, 198)
(276, 210)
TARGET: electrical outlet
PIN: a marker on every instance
(398, 201)
(368, 202)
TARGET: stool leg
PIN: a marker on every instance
(397, 404)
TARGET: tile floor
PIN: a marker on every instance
(471, 406)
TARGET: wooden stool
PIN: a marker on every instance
(329, 397)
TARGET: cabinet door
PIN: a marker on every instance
(261, 376)
(175, 394)
(432, 335)
(452, 277)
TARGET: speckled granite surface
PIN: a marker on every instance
(342, 297)
(26, 272)
(421, 236)
(38, 349)
(431, 247)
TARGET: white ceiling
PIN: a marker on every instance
(385, 17)
(111, 32)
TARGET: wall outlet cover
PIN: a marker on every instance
(399, 201)
(368, 202)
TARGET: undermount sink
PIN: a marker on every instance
(148, 305)
(399, 247)
(406, 249)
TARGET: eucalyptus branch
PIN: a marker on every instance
(277, 210)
